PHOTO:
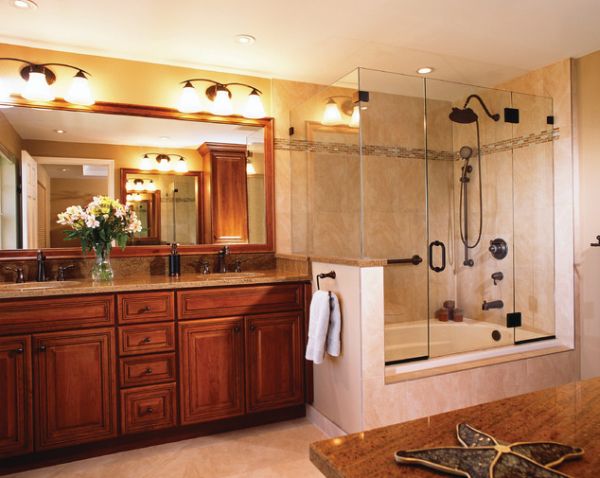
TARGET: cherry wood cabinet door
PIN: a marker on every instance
(211, 369)
(15, 396)
(75, 387)
(274, 374)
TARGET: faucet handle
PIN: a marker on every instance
(60, 275)
(204, 267)
(19, 271)
(237, 266)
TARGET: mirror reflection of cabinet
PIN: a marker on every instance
(226, 193)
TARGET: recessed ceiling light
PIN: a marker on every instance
(64, 170)
(59, 131)
(24, 4)
(425, 70)
(245, 39)
(164, 138)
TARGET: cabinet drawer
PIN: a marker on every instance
(148, 408)
(227, 301)
(147, 369)
(43, 315)
(145, 307)
(141, 339)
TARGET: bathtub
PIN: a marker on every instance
(409, 340)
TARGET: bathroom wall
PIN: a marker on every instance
(587, 116)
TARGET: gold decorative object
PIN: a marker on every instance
(482, 456)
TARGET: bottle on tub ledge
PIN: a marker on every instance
(449, 312)
(174, 261)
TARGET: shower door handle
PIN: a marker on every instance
(431, 246)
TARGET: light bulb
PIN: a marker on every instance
(147, 163)
(254, 107)
(189, 101)
(332, 114)
(151, 186)
(164, 163)
(138, 185)
(181, 166)
(250, 169)
(37, 88)
(355, 119)
(222, 103)
(79, 93)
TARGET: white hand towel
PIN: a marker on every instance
(324, 327)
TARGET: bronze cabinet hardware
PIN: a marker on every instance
(414, 260)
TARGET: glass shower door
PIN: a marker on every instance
(470, 217)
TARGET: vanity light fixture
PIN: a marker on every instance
(164, 162)
(332, 115)
(140, 185)
(39, 77)
(219, 95)
(425, 70)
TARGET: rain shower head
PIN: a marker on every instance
(464, 116)
(466, 152)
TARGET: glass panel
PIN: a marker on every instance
(255, 183)
(394, 205)
(325, 173)
(469, 160)
(534, 217)
(8, 203)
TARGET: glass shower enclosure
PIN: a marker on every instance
(451, 186)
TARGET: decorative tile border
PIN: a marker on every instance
(301, 145)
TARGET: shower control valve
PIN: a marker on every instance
(498, 248)
(497, 277)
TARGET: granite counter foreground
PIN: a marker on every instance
(568, 414)
(146, 283)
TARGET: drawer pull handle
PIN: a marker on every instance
(42, 348)
(147, 340)
(19, 350)
(145, 309)
(148, 371)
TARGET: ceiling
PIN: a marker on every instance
(79, 127)
(472, 41)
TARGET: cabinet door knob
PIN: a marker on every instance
(145, 309)
(148, 371)
(19, 350)
(236, 329)
(42, 348)
(252, 328)
(147, 340)
(149, 410)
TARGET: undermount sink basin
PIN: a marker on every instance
(230, 275)
(38, 285)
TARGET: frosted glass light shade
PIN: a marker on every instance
(181, 166)
(222, 103)
(254, 107)
(37, 88)
(79, 92)
(332, 114)
(147, 163)
(189, 101)
(150, 186)
(164, 164)
(355, 118)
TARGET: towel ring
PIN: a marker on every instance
(325, 275)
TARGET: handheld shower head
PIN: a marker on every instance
(466, 152)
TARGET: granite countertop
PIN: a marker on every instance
(568, 414)
(146, 283)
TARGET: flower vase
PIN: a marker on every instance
(102, 269)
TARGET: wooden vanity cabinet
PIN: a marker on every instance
(74, 387)
(16, 422)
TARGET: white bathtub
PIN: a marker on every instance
(410, 339)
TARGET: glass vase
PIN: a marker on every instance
(102, 270)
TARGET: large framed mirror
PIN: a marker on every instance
(200, 180)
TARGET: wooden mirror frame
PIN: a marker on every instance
(166, 113)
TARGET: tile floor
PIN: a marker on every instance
(277, 450)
